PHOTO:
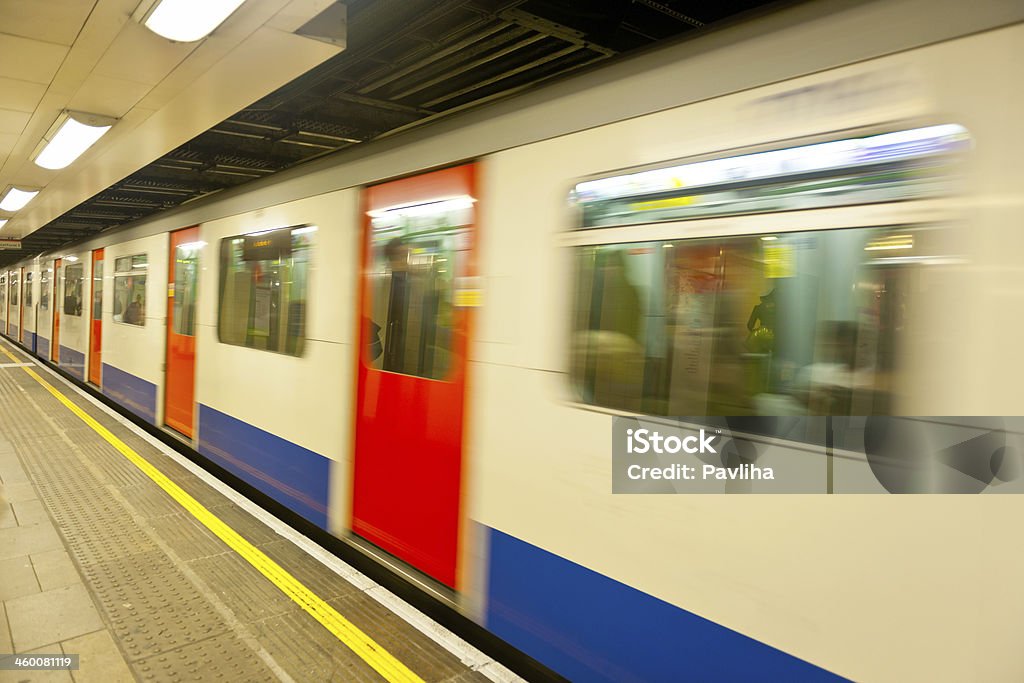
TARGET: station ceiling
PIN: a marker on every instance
(406, 62)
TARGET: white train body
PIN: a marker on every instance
(673, 587)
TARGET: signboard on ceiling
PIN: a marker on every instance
(10, 244)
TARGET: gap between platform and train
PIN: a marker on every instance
(383, 662)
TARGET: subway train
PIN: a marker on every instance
(421, 344)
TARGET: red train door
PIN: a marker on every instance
(96, 329)
(57, 303)
(181, 341)
(418, 254)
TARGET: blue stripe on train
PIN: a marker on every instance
(132, 392)
(73, 361)
(288, 473)
(589, 627)
(43, 348)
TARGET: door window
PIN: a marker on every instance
(416, 254)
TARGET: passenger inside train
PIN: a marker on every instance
(683, 328)
(412, 297)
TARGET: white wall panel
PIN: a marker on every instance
(306, 400)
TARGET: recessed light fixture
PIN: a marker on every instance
(68, 138)
(15, 199)
(186, 21)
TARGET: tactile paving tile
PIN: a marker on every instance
(150, 506)
(250, 600)
(388, 630)
(308, 570)
(189, 539)
(221, 658)
(166, 627)
(308, 653)
(152, 607)
(111, 464)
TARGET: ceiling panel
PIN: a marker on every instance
(139, 55)
(51, 21)
(29, 60)
(107, 96)
(13, 121)
(7, 141)
(20, 95)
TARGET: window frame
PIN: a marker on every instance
(458, 280)
(81, 289)
(915, 214)
(222, 271)
(130, 272)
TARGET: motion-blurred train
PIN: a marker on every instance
(420, 344)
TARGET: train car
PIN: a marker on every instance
(421, 346)
(276, 308)
(133, 319)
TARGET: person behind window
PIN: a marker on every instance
(375, 347)
(133, 314)
(761, 325)
(395, 332)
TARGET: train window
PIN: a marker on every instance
(73, 275)
(28, 288)
(416, 252)
(788, 324)
(888, 167)
(44, 288)
(130, 289)
(14, 289)
(3, 294)
(263, 283)
(97, 289)
(186, 264)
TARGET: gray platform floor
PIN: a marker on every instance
(97, 560)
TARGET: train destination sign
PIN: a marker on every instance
(267, 246)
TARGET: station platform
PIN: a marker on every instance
(116, 549)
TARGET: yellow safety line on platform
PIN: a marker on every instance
(373, 654)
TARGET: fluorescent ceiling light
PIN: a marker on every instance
(71, 136)
(16, 199)
(186, 21)
(3, 222)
